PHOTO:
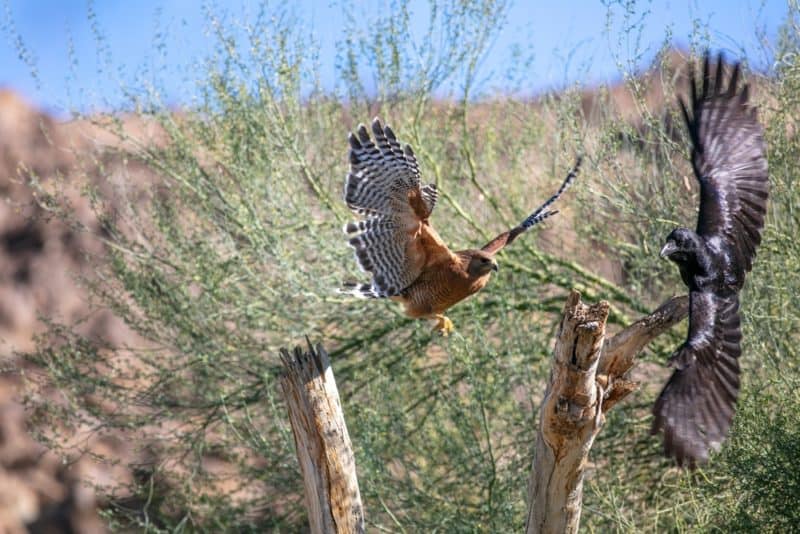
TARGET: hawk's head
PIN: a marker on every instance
(480, 263)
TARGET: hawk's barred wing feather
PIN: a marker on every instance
(384, 186)
(430, 194)
(729, 159)
(538, 215)
(696, 407)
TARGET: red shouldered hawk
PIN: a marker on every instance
(395, 241)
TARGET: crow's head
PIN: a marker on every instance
(480, 263)
(682, 245)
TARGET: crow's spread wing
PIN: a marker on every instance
(696, 407)
(729, 159)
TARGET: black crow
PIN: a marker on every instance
(695, 409)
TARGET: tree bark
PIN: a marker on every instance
(323, 445)
(588, 377)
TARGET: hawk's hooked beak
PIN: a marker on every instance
(494, 266)
(668, 249)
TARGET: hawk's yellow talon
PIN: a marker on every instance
(443, 325)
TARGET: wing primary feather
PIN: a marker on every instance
(734, 80)
(688, 120)
(532, 218)
(538, 215)
(718, 76)
(353, 140)
(693, 88)
(364, 291)
(363, 135)
(745, 96)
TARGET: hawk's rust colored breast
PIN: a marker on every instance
(440, 286)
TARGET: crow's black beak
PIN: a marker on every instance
(668, 249)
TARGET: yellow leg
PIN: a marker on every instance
(443, 325)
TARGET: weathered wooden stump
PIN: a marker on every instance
(323, 446)
(588, 377)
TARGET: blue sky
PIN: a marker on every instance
(567, 39)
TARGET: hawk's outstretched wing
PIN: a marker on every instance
(384, 186)
(539, 214)
(696, 407)
(729, 159)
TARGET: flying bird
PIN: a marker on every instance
(695, 409)
(395, 240)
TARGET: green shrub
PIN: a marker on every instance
(230, 247)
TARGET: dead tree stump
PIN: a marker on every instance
(323, 446)
(588, 377)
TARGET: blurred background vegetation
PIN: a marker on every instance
(214, 234)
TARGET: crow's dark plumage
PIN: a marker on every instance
(695, 409)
